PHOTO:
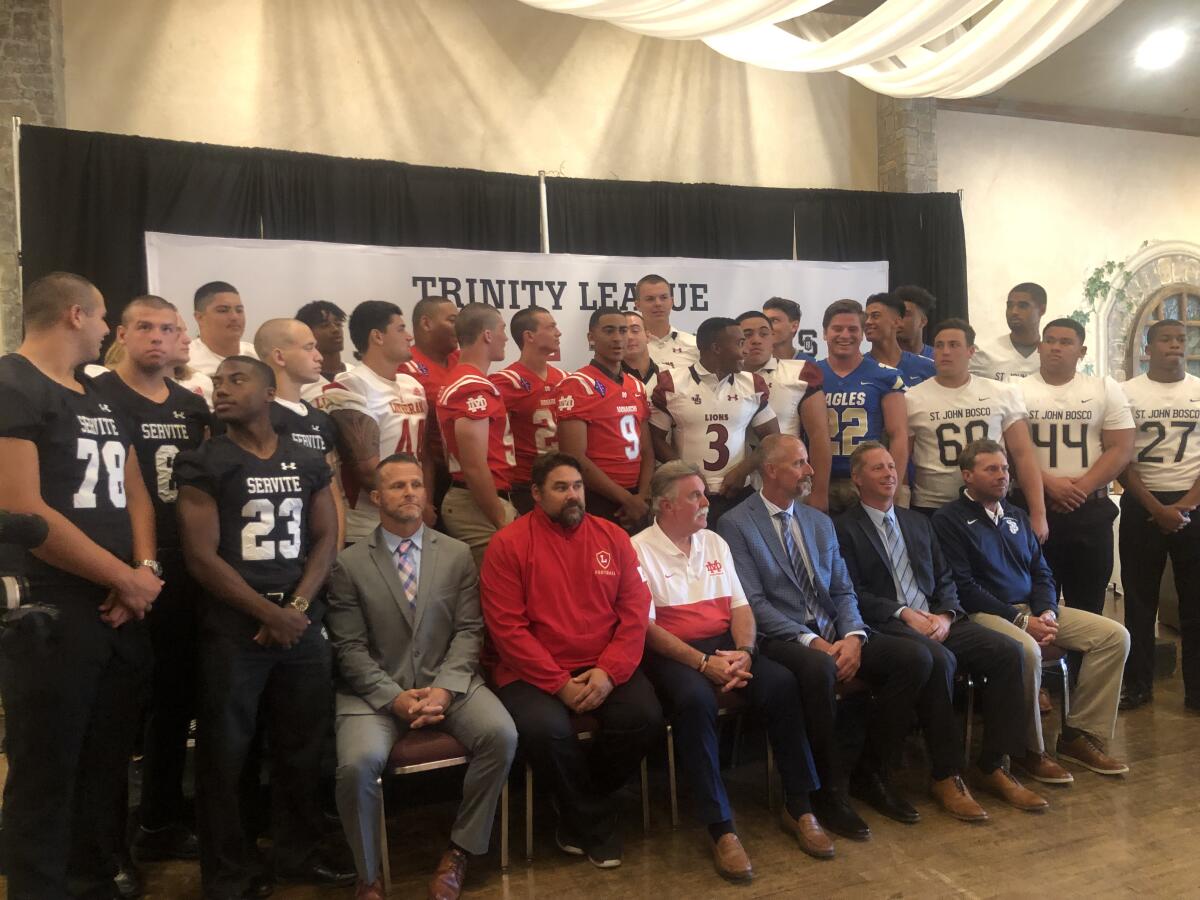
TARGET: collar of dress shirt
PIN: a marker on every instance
(393, 540)
(877, 516)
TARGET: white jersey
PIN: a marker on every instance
(400, 409)
(942, 421)
(1065, 421)
(1000, 360)
(675, 351)
(198, 383)
(1166, 449)
(710, 416)
(789, 381)
(315, 393)
(202, 359)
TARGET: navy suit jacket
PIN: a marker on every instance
(867, 560)
(767, 577)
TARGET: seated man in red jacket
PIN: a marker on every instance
(566, 608)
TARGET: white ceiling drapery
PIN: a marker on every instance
(980, 44)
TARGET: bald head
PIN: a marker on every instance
(776, 448)
(279, 334)
(289, 347)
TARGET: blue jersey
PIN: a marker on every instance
(928, 351)
(914, 369)
(856, 407)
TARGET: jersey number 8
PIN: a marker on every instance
(112, 453)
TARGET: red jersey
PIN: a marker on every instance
(468, 393)
(530, 402)
(432, 377)
(556, 600)
(614, 412)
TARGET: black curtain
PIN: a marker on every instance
(88, 198)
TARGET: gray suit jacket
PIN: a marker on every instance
(382, 647)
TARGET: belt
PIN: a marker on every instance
(276, 597)
(1098, 493)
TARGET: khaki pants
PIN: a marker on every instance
(464, 520)
(1104, 644)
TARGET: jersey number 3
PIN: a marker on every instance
(261, 513)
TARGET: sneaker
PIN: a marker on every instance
(606, 854)
(1088, 751)
(1040, 767)
(566, 843)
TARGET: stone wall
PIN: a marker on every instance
(31, 77)
(906, 131)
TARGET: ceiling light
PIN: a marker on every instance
(1161, 49)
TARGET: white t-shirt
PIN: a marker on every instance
(692, 595)
(942, 421)
(675, 351)
(708, 418)
(198, 383)
(1065, 420)
(400, 409)
(202, 359)
(1166, 449)
(1000, 360)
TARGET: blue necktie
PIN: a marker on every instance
(910, 595)
(812, 604)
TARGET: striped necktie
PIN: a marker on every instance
(812, 604)
(910, 594)
(407, 571)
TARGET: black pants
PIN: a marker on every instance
(521, 497)
(982, 652)
(1144, 552)
(173, 634)
(583, 778)
(599, 505)
(690, 700)
(897, 671)
(295, 689)
(70, 697)
(1079, 552)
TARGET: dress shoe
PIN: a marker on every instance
(952, 795)
(260, 887)
(321, 873)
(566, 842)
(875, 791)
(835, 814)
(1132, 698)
(809, 835)
(1040, 767)
(372, 891)
(448, 880)
(128, 880)
(172, 842)
(1088, 751)
(730, 858)
(606, 854)
(1044, 703)
(1002, 783)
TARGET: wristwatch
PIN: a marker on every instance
(152, 564)
(751, 651)
(298, 603)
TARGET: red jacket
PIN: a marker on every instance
(557, 600)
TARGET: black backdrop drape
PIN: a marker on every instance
(87, 199)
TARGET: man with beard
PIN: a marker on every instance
(221, 318)
(566, 605)
(406, 627)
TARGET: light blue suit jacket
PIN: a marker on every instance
(767, 577)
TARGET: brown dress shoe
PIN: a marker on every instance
(372, 891)
(1088, 751)
(952, 794)
(1040, 767)
(451, 873)
(1002, 783)
(730, 858)
(809, 835)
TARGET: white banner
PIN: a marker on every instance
(275, 278)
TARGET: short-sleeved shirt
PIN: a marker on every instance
(1000, 360)
(855, 404)
(83, 442)
(203, 359)
(264, 506)
(531, 403)
(432, 377)
(614, 411)
(914, 368)
(675, 351)
(1166, 450)
(305, 425)
(160, 432)
(1065, 421)
(710, 416)
(469, 394)
(791, 382)
(693, 595)
(199, 384)
(942, 421)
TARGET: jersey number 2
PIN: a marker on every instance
(261, 513)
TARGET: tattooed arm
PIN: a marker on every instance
(358, 444)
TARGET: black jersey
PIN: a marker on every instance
(313, 429)
(263, 504)
(83, 442)
(160, 431)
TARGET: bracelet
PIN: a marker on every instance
(1022, 621)
(703, 664)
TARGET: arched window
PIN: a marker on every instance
(1172, 301)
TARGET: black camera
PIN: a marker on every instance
(20, 532)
